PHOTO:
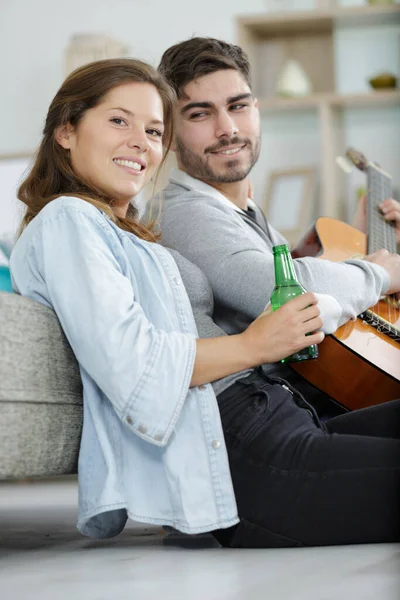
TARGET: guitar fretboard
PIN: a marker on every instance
(381, 325)
(381, 233)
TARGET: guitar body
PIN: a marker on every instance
(358, 365)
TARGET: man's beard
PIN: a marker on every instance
(198, 167)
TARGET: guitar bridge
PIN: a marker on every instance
(381, 325)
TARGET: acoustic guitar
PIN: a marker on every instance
(358, 365)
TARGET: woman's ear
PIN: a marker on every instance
(63, 135)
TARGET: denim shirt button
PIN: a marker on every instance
(129, 420)
(142, 429)
(177, 281)
(158, 437)
(216, 444)
(202, 387)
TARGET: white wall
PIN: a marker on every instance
(11, 210)
(34, 34)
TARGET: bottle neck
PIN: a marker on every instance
(284, 269)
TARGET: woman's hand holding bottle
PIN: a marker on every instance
(276, 335)
(271, 337)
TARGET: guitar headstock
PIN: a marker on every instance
(357, 158)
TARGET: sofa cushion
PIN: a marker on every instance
(36, 361)
(40, 392)
(39, 440)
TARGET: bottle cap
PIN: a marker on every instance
(281, 249)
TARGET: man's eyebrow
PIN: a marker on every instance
(230, 100)
(239, 97)
(130, 114)
(196, 105)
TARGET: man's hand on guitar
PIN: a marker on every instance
(390, 209)
(391, 263)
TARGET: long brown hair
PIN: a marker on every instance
(51, 174)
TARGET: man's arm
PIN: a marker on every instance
(240, 267)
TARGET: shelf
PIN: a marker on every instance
(288, 23)
(310, 38)
(376, 99)
(361, 16)
(303, 103)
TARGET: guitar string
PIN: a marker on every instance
(389, 239)
(373, 211)
(390, 244)
(380, 225)
(383, 227)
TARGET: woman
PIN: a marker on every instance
(152, 445)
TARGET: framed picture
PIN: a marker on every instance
(289, 200)
(13, 167)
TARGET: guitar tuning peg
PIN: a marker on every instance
(345, 164)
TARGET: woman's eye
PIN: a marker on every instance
(118, 120)
(155, 132)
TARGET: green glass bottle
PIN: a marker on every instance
(287, 286)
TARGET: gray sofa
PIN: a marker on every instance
(40, 393)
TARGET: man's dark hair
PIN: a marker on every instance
(191, 59)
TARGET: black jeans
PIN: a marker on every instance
(300, 482)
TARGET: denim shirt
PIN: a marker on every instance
(152, 448)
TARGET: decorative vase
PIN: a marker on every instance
(293, 81)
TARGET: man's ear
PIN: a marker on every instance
(173, 144)
(63, 135)
(256, 102)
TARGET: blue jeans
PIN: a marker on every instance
(301, 482)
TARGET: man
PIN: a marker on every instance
(205, 211)
(297, 481)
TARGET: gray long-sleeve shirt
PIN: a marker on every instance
(235, 253)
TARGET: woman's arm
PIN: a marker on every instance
(144, 371)
(271, 337)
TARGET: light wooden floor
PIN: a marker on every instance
(42, 556)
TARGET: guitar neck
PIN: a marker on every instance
(381, 234)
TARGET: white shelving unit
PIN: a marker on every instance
(309, 37)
